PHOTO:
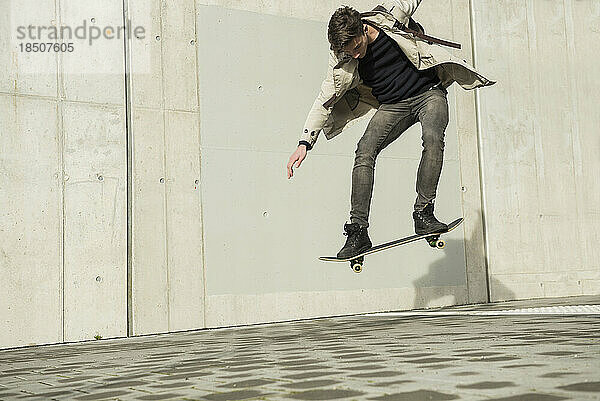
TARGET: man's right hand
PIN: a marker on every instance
(296, 160)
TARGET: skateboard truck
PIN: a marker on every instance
(435, 242)
(356, 264)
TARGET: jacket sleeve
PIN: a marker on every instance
(402, 10)
(321, 108)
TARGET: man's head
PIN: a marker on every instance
(347, 33)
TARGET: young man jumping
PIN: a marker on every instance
(382, 59)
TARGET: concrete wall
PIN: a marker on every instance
(540, 146)
(167, 288)
(176, 144)
(263, 233)
(63, 182)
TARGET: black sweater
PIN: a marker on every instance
(390, 74)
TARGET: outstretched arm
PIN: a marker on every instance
(317, 116)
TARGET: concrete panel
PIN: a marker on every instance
(179, 43)
(30, 222)
(168, 286)
(170, 35)
(149, 264)
(184, 222)
(538, 216)
(22, 71)
(583, 39)
(555, 157)
(146, 55)
(542, 284)
(94, 71)
(510, 200)
(263, 233)
(95, 266)
(259, 72)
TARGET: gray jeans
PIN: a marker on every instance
(389, 122)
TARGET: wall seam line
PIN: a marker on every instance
(480, 155)
(129, 162)
(200, 186)
(165, 166)
(61, 131)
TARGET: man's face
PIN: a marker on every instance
(358, 47)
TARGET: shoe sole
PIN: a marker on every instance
(432, 232)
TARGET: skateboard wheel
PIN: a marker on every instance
(440, 244)
(356, 267)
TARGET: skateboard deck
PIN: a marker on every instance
(433, 239)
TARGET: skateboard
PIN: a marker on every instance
(433, 239)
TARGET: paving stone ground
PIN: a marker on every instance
(424, 355)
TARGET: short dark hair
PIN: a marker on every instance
(345, 24)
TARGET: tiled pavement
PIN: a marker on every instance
(424, 355)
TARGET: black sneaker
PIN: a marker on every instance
(426, 223)
(358, 241)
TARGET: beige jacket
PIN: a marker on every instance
(343, 97)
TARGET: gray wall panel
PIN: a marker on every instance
(94, 72)
(149, 260)
(263, 233)
(184, 222)
(25, 72)
(95, 265)
(146, 55)
(534, 136)
(30, 222)
(583, 39)
(250, 72)
(168, 276)
(179, 43)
